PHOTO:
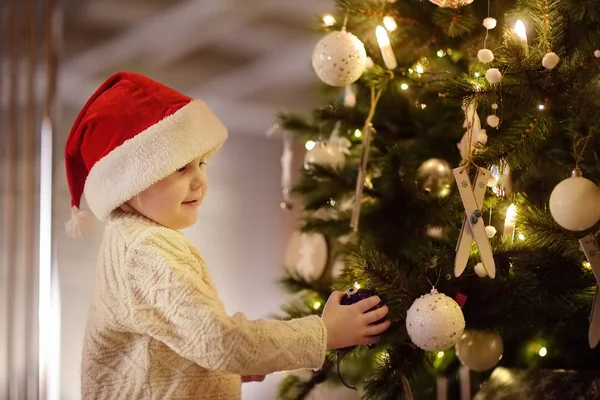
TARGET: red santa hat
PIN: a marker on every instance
(130, 134)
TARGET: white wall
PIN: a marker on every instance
(241, 232)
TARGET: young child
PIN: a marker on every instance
(157, 328)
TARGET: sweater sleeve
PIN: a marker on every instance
(172, 299)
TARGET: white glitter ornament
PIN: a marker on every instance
(493, 75)
(480, 270)
(493, 121)
(550, 60)
(339, 59)
(490, 230)
(490, 23)
(434, 322)
(485, 56)
(574, 203)
(325, 155)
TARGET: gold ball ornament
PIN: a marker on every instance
(479, 350)
(435, 177)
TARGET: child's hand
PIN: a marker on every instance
(253, 378)
(351, 325)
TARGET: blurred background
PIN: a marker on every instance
(247, 59)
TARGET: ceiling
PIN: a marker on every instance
(248, 59)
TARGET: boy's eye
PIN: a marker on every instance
(182, 169)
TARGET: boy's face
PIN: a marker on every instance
(174, 201)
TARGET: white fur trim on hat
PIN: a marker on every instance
(191, 132)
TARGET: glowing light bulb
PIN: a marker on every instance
(520, 30)
(404, 86)
(543, 352)
(386, 48)
(440, 354)
(587, 265)
(357, 133)
(419, 69)
(390, 23)
(477, 74)
(541, 107)
(521, 237)
(317, 305)
(356, 285)
(310, 144)
(328, 20)
(441, 53)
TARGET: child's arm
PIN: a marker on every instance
(171, 302)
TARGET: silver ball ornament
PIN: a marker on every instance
(575, 203)
(339, 58)
(479, 351)
(434, 322)
(435, 177)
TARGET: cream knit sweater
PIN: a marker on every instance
(158, 330)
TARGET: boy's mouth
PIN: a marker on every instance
(192, 202)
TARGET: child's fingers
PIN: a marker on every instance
(376, 315)
(366, 304)
(336, 297)
(373, 330)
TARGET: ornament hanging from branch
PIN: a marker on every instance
(479, 350)
(286, 171)
(435, 177)
(339, 58)
(307, 255)
(473, 227)
(472, 125)
(590, 248)
(574, 202)
(435, 322)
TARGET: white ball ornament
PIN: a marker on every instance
(339, 58)
(434, 322)
(490, 23)
(494, 106)
(325, 155)
(493, 121)
(550, 60)
(490, 231)
(479, 351)
(480, 270)
(485, 56)
(575, 203)
(597, 53)
(493, 75)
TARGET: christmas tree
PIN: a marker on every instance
(457, 150)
